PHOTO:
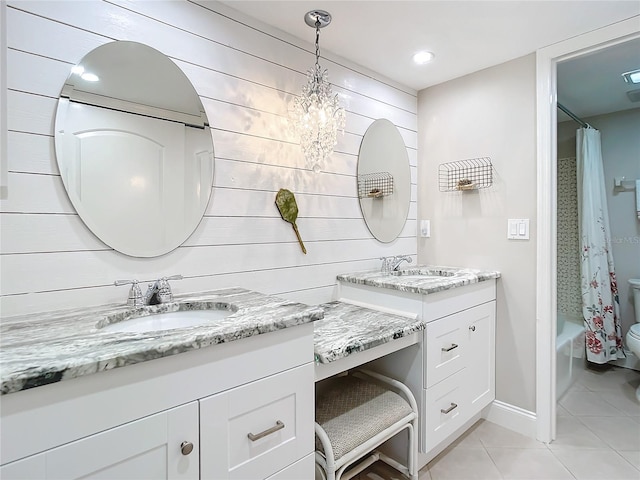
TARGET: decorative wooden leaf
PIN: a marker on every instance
(288, 208)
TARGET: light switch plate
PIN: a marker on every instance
(518, 229)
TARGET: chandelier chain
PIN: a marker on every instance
(317, 43)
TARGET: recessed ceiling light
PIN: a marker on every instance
(423, 57)
(632, 76)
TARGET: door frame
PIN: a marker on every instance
(546, 282)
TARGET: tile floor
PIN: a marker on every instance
(598, 438)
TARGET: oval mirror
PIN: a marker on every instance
(384, 180)
(134, 148)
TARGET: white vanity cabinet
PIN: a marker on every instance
(459, 371)
(451, 372)
(188, 416)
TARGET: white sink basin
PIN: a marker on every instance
(168, 321)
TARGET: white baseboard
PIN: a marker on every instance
(511, 417)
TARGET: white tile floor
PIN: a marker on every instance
(598, 438)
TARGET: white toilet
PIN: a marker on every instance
(633, 335)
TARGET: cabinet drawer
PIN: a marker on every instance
(445, 409)
(446, 343)
(255, 430)
(301, 469)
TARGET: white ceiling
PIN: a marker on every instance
(466, 35)
(592, 84)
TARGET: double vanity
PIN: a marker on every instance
(232, 396)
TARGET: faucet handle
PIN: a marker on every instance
(135, 293)
(164, 289)
(386, 265)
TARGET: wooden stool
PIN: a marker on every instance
(356, 414)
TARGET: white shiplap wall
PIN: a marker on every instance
(246, 74)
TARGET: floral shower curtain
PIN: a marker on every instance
(600, 306)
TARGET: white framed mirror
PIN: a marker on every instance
(384, 180)
(134, 148)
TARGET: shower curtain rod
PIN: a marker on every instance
(575, 118)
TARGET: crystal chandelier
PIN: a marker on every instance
(316, 116)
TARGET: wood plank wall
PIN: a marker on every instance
(246, 73)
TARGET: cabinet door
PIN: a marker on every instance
(148, 448)
(481, 356)
(255, 430)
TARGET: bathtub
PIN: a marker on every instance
(570, 362)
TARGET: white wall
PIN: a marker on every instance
(246, 74)
(490, 113)
(621, 157)
(3, 101)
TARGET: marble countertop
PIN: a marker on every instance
(347, 329)
(46, 348)
(423, 279)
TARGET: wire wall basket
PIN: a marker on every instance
(465, 175)
(375, 185)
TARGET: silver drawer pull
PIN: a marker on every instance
(278, 426)
(450, 409)
(472, 328)
(453, 345)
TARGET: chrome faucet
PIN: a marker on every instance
(391, 264)
(160, 291)
(157, 292)
(397, 260)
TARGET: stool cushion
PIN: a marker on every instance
(352, 410)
